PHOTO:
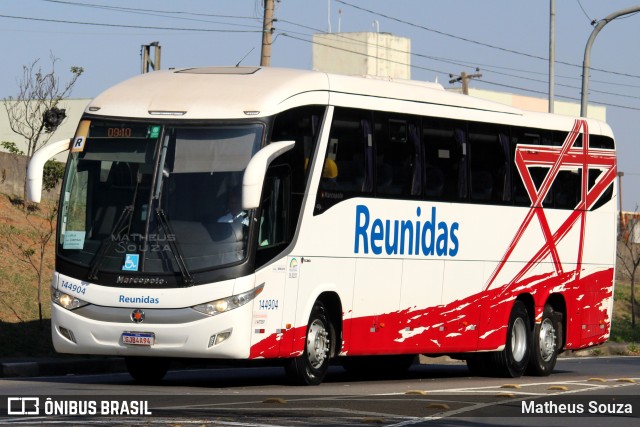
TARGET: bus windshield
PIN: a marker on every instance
(148, 198)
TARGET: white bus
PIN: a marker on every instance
(264, 213)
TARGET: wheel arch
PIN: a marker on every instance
(529, 303)
(559, 305)
(333, 304)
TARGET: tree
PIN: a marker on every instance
(628, 254)
(33, 113)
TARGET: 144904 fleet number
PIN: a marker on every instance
(268, 304)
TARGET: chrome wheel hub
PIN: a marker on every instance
(547, 340)
(317, 344)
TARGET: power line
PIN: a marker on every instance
(140, 27)
(361, 53)
(592, 21)
(422, 27)
(132, 9)
(462, 63)
(522, 89)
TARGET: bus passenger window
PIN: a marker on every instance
(445, 165)
(566, 189)
(528, 137)
(489, 163)
(398, 165)
(348, 163)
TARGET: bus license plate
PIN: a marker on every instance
(138, 338)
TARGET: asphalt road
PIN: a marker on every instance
(581, 392)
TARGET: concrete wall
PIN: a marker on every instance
(12, 175)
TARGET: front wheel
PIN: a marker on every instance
(311, 366)
(513, 360)
(547, 340)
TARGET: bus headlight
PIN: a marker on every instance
(226, 304)
(66, 301)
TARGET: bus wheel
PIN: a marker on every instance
(311, 366)
(547, 339)
(513, 360)
(147, 370)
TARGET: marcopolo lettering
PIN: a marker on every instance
(417, 236)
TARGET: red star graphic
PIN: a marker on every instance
(554, 158)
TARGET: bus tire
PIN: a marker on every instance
(547, 340)
(147, 370)
(514, 359)
(311, 366)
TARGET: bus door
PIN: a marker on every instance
(273, 236)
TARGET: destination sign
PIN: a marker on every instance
(124, 130)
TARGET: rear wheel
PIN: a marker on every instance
(147, 369)
(513, 360)
(547, 340)
(311, 366)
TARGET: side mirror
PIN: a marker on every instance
(36, 167)
(253, 178)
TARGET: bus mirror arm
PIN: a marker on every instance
(253, 178)
(36, 167)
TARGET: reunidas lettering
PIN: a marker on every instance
(399, 237)
(139, 300)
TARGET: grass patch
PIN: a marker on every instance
(621, 330)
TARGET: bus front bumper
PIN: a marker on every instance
(224, 336)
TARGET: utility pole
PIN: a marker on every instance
(621, 226)
(586, 63)
(149, 64)
(464, 79)
(552, 52)
(267, 32)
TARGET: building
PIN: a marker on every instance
(373, 54)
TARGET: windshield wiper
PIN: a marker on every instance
(107, 243)
(175, 249)
(125, 217)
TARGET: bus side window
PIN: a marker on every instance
(398, 156)
(273, 229)
(347, 166)
(529, 137)
(489, 164)
(301, 124)
(566, 189)
(445, 148)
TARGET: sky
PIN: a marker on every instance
(508, 40)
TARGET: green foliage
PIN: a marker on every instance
(11, 147)
(621, 328)
(52, 174)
